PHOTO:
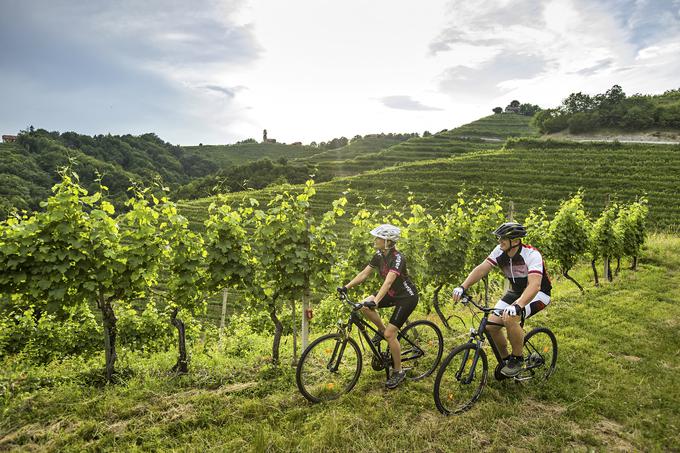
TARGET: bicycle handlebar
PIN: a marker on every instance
(355, 305)
(467, 299)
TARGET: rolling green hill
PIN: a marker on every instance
(29, 167)
(485, 133)
(528, 172)
(228, 155)
(365, 145)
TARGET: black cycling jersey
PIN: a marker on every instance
(394, 261)
(527, 260)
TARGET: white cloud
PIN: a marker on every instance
(216, 71)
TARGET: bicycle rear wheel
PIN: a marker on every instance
(460, 379)
(328, 368)
(540, 355)
(422, 345)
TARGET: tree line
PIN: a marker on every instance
(580, 112)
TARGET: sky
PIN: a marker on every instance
(220, 71)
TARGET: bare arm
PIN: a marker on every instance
(360, 277)
(478, 273)
(391, 276)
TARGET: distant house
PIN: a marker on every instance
(9, 138)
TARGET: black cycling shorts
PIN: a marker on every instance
(403, 307)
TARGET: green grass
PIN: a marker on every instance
(615, 388)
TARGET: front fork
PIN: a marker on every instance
(479, 344)
(339, 349)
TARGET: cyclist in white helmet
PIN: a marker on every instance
(396, 291)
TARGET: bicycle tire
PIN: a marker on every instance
(314, 377)
(422, 359)
(452, 395)
(540, 355)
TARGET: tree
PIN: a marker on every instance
(578, 103)
(184, 271)
(568, 235)
(486, 213)
(669, 116)
(528, 109)
(230, 256)
(514, 104)
(630, 223)
(537, 226)
(298, 252)
(75, 253)
(604, 241)
(582, 122)
(497, 110)
(442, 247)
(550, 121)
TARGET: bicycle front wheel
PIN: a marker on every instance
(460, 379)
(540, 355)
(422, 345)
(328, 368)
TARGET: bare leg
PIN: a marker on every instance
(374, 317)
(515, 335)
(391, 333)
(497, 335)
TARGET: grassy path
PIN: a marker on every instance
(616, 388)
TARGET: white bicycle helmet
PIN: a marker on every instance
(387, 232)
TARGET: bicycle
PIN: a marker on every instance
(330, 366)
(460, 381)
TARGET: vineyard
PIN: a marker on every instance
(77, 255)
(485, 133)
(233, 399)
(197, 308)
(528, 172)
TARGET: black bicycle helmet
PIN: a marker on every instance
(510, 230)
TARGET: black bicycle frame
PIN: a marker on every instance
(362, 325)
(477, 336)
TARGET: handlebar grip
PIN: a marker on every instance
(370, 304)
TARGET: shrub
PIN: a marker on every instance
(582, 122)
(48, 338)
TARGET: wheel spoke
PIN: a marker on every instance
(540, 355)
(460, 379)
(328, 368)
(421, 345)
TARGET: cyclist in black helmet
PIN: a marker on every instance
(397, 291)
(529, 290)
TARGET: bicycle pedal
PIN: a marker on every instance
(521, 378)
